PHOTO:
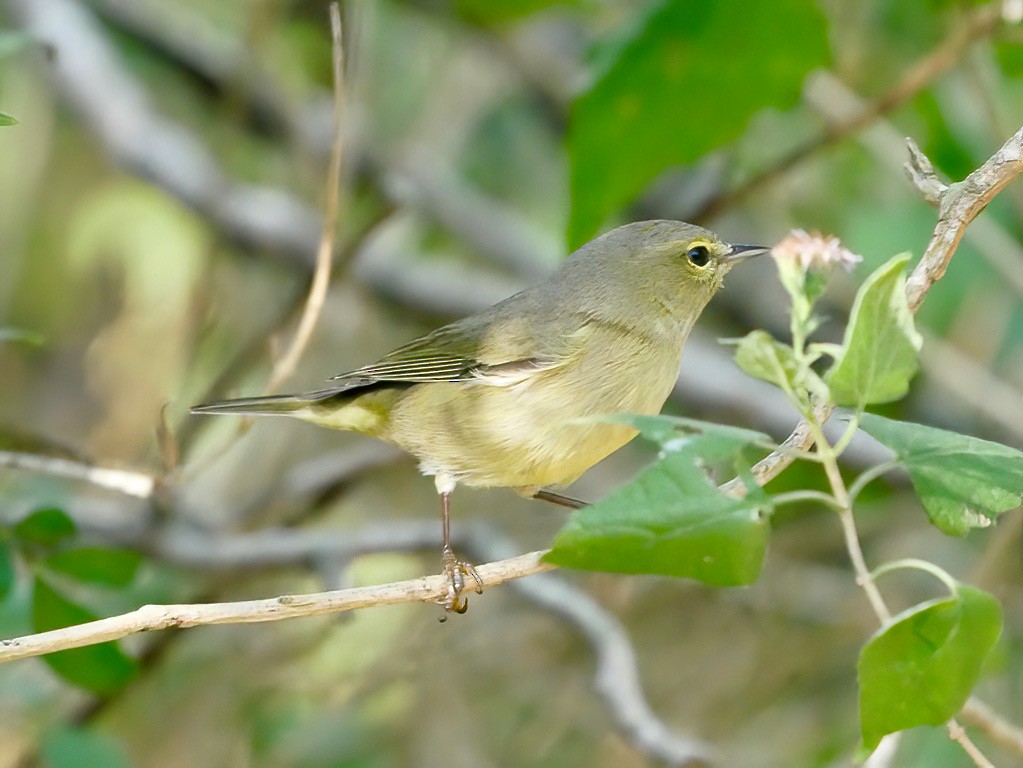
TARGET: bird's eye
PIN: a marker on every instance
(698, 255)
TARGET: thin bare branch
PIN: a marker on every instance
(427, 589)
(286, 363)
(1003, 733)
(959, 205)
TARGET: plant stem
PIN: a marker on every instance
(829, 459)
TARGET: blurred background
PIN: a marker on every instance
(162, 203)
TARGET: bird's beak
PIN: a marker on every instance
(742, 252)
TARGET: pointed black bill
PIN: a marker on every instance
(743, 252)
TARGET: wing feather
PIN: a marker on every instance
(449, 354)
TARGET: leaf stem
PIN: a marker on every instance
(850, 432)
(868, 476)
(913, 563)
(794, 497)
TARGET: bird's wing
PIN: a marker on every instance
(462, 353)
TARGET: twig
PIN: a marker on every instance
(865, 579)
(958, 734)
(1002, 733)
(286, 363)
(999, 247)
(959, 205)
(427, 589)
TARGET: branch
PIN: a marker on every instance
(286, 364)
(427, 589)
(131, 483)
(118, 110)
(1004, 734)
(616, 678)
(958, 205)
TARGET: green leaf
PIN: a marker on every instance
(102, 668)
(6, 569)
(7, 120)
(97, 565)
(46, 526)
(672, 520)
(684, 79)
(920, 669)
(879, 353)
(963, 482)
(763, 357)
(72, 747)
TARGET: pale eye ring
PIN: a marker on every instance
(698, 255)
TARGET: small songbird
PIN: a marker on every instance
(499, 399)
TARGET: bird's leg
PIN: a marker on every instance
(560, 499)
(456, 570)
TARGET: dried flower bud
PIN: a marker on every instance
(812, 250)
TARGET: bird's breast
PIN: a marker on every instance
(543, 430)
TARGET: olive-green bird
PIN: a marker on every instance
(498, 399)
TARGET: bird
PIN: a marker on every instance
(509, 397)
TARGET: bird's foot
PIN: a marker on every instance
(458, 571)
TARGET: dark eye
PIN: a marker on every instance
(698, 255)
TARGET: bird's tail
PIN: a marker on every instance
(357, 409)
(268, 405)
(254, 406)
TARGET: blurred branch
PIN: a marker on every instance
(616, 677)
(286, 363)
(220, 61)
(1004, 734)
(974, 26)
(131, 483)
(992, 396)
(117, 108)
(999, 248)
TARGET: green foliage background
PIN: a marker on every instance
(116, 298)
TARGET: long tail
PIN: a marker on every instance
(285, 405)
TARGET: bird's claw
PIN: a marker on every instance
(457, 572)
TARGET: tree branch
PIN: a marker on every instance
(129, 482)
(958, 205)
(426, 589)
